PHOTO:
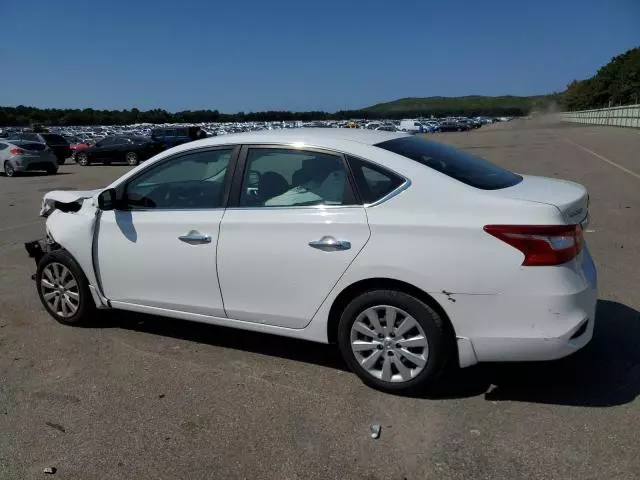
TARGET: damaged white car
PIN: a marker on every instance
(406, 253)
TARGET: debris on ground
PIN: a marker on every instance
(375, 430)
(50, 470)
(58, 427)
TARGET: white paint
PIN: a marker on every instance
(429, 235)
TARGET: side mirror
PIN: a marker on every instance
(107, 199)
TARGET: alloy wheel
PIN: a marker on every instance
(132, 158)
(389, 344)
(9, 170)
(60, 289)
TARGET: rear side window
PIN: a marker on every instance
(462, 166)
(36, 147)
(373, 182)
(31, 137)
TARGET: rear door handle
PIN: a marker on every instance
(330, 244)
(195, 238)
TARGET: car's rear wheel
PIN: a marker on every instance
(63, 288)
(9, 171)
(52, 170)
(393, 341)
(132, 158)
(82, 159)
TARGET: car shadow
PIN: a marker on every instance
(604, 373)
(262, 343)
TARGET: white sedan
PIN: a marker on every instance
(409, 254)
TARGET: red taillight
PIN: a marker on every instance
(16, 151)
(541, 244)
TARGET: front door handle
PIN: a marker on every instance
(330, 244)
(195, 238)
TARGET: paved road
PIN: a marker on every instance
(142, 397)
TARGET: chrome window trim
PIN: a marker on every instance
(399, 189)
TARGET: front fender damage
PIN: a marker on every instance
(72, 218)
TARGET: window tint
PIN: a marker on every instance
(194, 180)
(32, 137)
(373, 182)
(457, 164)
(3, 146)
(54, 138)
(288, 178)
(106, 142)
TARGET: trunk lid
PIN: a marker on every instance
(570, 198)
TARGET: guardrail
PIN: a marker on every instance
(627, 116)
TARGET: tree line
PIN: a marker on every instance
(25, 116)
(616, 83)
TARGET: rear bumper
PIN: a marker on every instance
(526, 326)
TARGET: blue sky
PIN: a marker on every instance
(246, 55)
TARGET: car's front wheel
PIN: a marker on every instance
(82, 159)
(63, 288)
(132, 158)
(393, 341)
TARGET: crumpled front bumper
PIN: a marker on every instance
(39, 248)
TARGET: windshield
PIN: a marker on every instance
(454, 163)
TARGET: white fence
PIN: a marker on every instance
(628, 116)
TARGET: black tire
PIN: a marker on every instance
(61, 161)
(434, 327)
(83, 159)
(85, 304)
(9, 171)
(52, 170)
(106, 162)
(132, 158)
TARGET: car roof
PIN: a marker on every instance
(320, 137)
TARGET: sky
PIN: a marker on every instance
(247, 55)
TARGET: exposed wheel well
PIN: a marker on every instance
(362, 286)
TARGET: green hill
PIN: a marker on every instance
(467, 105)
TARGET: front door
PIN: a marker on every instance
(158, 249)
(294, 230)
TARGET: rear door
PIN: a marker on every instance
(293, 228)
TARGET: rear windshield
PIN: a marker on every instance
(454, 163)
(55, 139)
(36, 147)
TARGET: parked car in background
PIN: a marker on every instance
(76, 144)
(407, 253)
(172, 136)
(453, 126)
(411, 126)
(55, 142)
(23, 156)
(130, 150)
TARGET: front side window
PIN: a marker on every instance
(462, 166)
(193, 180)
(294, 178)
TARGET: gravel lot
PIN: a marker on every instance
(144, 397)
